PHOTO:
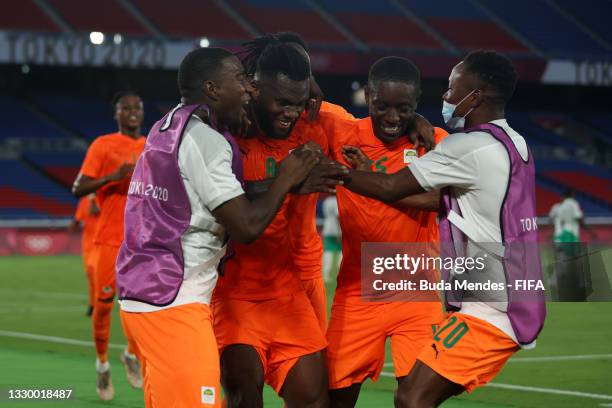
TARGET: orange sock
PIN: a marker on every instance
(90, 284)
(101, 327)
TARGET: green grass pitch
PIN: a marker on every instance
(46, 296)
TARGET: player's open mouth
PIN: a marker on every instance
(391, 129)
(283, 124)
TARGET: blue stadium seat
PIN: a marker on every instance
(18, 176)
(547, 29)
(590, 13)
(454, 9)
(24, 123)
(87, 116)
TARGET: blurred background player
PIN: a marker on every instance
(106, 171)
(184, 235)
(567, 217)
(332, 237)
(358, 329)
(86, 217)
(474, 342)
(571, 279)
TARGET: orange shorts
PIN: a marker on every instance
(104, 271)
(468, 351)
(315, 290)
(179, 356)
(358, 331)
(281, 330)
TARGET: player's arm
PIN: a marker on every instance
(387, 188)
(245, 220)
(84, 185)
(425, 201)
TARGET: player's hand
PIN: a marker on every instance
(324, 178)
(422, 133)
(74, 226)
(356, 158)
(296, 166)
(125, 170)
(316, 99)
(93, 208)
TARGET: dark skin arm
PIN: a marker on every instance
(387, 188)
(246, 220)
(427, 201)
(84, 185)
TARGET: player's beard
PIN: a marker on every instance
(266, 124)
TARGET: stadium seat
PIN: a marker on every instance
(547, 29)
(25, 123)
(108, 16)
(25, 15)
(381, 25)
(192, 18)
(270, 16)
(589, 13)
(461, 23)
(61, 166)
(32, 191)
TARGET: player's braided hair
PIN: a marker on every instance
(269, 56)
(494, 70)
(198, 66)
(395, 69)
(292, 37)
(117, 97)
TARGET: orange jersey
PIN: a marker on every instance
(88, 221)
(290, 248)
(364, 219)
(105, 155)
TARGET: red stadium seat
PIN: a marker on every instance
(13, 198)
(474, 34)
(108, 16)
(195, 18)
(25, 15)
(301, 20)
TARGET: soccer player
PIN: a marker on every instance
(176, 233)
(358, 329)
(264, 320)
(487, 175)
(106, 171)
(87, 216)
(332, 240)
(567, 218)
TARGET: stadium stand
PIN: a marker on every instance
(542, 26)
(392, 28)
(93, 118)
(270, 16)
(26, 15)
(589, 13)
(31, 194)
(25, 123)
(63, 167)
(463, 24)
(108, 17)
(204, 18)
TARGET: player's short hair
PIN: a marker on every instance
(199, 65)
(394, 69)
(117, 97)
(269, 56)
(494, 70)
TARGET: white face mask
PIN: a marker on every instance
(448, 109)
